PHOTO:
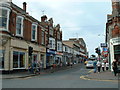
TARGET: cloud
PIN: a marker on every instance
(77, 18)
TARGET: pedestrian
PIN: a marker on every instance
(103, 66)
(114, 66)
(38, 67)
(33, 68)
(99, 66)
(71, 64)
(95, 66)
(107, 65)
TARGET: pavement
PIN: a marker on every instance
(102, 76)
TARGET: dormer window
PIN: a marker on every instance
(4, 18)
(19, 26)
(34, 32)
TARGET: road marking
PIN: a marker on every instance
(86, 78)
(26, 78)
(90, 71)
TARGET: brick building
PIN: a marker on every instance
(113, 32)
(59, 47)
(18, 32)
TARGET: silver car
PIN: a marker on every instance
(89, 64)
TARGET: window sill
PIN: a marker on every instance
(19, 35)
(34, 40)
(19, 68)
(4, 30)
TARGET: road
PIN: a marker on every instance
(69, 78)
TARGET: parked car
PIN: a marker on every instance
(89, 64)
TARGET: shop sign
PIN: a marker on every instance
(116, 40)
(103, 45)
(50, 51)
(42, 49)
(59, 53)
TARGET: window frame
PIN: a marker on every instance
(18, 59)
(21, 35)
(42, 37)
(35, 32)
(8, 15)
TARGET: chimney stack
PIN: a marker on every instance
(43, 18)
(24, 6)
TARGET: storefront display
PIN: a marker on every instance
(2, 59)
(18, 59)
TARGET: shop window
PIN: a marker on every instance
(2, 59)
(4, 18)
(42, 59)
(18, 59)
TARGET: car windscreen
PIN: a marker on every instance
(90, 62)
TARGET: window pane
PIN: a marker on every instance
(15, 59)
(33, 27)
(3, 19)
(4, 13)
(1, 59)
(18, 26)
(33, 34)
(22, 60)
(4, 22)
(19, 20)
(1, 22)
(42, 37)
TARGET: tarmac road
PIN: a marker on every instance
(69, 78)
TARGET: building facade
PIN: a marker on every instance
(113, 32)
(67, 54)
(79, 50)
(59, 45)
(18, 32)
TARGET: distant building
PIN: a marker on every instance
(113, 32)
(79, 49)
(59, 45)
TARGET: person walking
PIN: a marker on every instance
(114, 66)
(95, 66)
(99, 66)
(38, 67)
(103, 66)
(107, 65)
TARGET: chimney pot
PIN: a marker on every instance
(24, 6)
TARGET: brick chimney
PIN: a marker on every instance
(115, 7)
(24, 6)
(43, 18)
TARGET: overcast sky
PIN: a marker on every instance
(78, 18)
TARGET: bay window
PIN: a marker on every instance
(4, 18)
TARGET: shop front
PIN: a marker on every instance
(59, 58)
(50, 58)
(114, 51)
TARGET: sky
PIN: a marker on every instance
(78, 18)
